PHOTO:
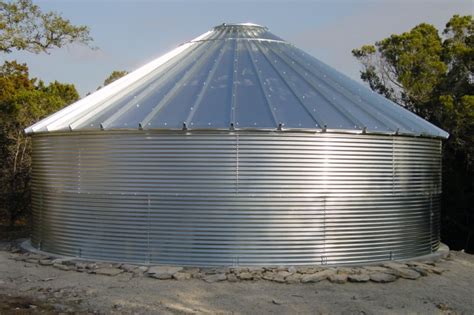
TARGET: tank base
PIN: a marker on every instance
(441, 253)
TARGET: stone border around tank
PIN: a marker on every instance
(383, 272)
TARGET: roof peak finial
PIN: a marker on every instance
(240, 25)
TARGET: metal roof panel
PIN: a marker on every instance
(237, 76)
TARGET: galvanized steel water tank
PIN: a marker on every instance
(236, 148)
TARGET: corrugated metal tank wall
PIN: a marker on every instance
(236, 198)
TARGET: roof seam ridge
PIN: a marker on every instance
(340, 109)
(146, 92)
(384, 119)
(206, 84)
(392, 124)
(171, 93)
(234, 85)
(249, 50)
(321, 124)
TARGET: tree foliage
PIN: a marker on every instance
(431, 74)
(23, 101)
(23, 26)
(115, 75)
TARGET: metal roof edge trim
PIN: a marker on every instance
(236, 130)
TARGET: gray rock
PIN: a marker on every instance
(238, 270)
(163, 272)
(212, 271)
(63, 261)
(69, 262)
(232, 277)
(338, 278)
(293, 278)
(268, 275)
(108, 271)
(437, 270)
(292, 269)
(257, 276)
(245, 276)
(423, 272)
(81, 267)
(283, 273)
(45, 262)
(161, 276)
(407, 273)
(105, 265)
(182, 276)
(318, 276)
(424, 267)
(255, 269)
(378, 269)
(128, 267)
(361, 277)
(35, 256)
(401, 270)
(346, 271)
(278, 278)
(308, 269)
(191, 270)
(19, 258)
(357, 270)
(61, 266)
(198, 275)
(215, 277)
(141, 269)
(92, 266)
(382, 277)
(394, 265)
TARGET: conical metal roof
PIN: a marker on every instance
(237, 76)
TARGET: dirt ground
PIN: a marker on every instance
(27, 288)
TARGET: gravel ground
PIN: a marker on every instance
(28, 288)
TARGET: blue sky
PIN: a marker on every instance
(130, 33)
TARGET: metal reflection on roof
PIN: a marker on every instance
(237, 76)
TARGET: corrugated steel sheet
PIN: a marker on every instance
(236, 198)
(237, 76)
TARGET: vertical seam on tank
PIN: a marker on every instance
(237, 164)
(148, 257)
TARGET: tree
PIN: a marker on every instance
(115, 75)
(23, 101)
(23, 26)
(431, 74)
